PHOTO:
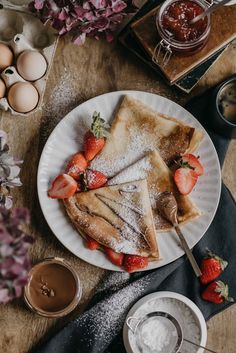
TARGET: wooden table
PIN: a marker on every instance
(78, 74)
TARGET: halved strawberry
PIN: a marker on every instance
(76, 165)
(193, 162)
(63, 187)
(94, 139)
(94, 179)
(92, 244)
(134, 263)
(115, 257)
(185, 179)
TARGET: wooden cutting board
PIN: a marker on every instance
(223, 31)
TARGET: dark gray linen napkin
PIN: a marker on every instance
(98, 329)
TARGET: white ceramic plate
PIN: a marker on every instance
(67, 139)
(153, 302)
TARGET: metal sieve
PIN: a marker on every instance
(174, 339)
(175, 336)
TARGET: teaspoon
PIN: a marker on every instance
(168, 207)
(210, 9)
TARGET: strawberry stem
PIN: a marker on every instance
(183, 164)
(223, 263)
(223, 290)
(99, 126)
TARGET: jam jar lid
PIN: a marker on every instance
(53, 288)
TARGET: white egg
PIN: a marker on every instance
(31, 65)
(23, 97)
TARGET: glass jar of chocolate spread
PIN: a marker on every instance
(53, 288)
(176, 32)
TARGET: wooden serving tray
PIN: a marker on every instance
(223, 31)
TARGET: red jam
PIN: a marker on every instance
(176, 21)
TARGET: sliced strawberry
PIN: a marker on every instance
(92, 244)
(94, 179)
(94, 139)
(63, 187)
(115, 257)
(185, 179)
(193, 162)
(76, 165)
(134, 263)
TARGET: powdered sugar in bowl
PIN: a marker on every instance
(156, 332)
(186, 321)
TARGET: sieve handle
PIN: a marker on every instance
(198, 345)
(128, 323)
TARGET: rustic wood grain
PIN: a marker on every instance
(91, 70)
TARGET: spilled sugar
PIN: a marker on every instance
(63, 98)
(105, 320)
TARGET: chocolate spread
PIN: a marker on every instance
(52, 287)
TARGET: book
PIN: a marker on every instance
(129, 40)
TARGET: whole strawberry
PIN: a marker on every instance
(212, 266)
(94, 139)
(217, 292)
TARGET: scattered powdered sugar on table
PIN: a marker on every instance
(104, 321)
(113, 281)
(180, 311)
(63, 98)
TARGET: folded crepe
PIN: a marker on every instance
(119, 217)
(137, 129)
(159, 178)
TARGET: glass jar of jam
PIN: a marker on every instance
(174, 27)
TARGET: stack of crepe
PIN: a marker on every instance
(136, 159)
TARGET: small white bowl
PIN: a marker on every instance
(147, 305)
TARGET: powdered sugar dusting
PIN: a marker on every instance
(63, 98)
(138, 147)
(132, 239)
(104, 321)
(136, 171)
(114, 281)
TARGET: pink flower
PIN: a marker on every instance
(101, 23)
(14, 261)
(39, 4)
(118, 5)
(62, 15)
(98, 4)
(93, 18)
(80, 12)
